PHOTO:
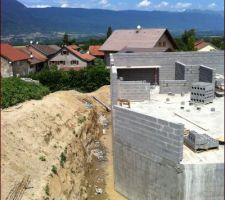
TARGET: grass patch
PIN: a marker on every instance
(54, 170)
(62, 159)
(47, 190)
(42, 158)
(81, 119)
(15, 90)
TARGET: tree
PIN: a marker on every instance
(65, 39)
(73, 41)
(218, 42)
(109, 32)
(188, 39)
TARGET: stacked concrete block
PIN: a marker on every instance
(134, 90)
(202, 92)
(148, 134)
(173, 86)
(206, 74)
(199, 142)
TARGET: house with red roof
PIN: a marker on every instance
(47, 50)
(13, 61)
(201, 45)
(36, 59)
(68, 58)
(94, 50)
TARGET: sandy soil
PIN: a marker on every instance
(41, 129)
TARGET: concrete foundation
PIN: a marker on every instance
(147, 161)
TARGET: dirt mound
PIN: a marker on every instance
(49, 140)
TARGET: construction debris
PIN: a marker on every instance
(16, 193)
(107, 107)
(124, 102)
(191, 122)
(98, 190)
(99, 151)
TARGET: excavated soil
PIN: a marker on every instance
(52, 141)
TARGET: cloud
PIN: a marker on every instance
(163, 4)
(65, 5)
(103, 2)
(212, 5)
(39, 6)
(144, 3)
(183, 6)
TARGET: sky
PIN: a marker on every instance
(168, 5)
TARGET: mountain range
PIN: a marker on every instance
(18, 19)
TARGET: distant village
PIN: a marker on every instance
(23, 60)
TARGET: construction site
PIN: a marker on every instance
(156, 132)
(168, 130)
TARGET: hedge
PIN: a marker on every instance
(15, 90)
(86, 80)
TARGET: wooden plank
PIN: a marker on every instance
(103, 104)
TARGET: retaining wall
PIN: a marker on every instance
(147, 154)
(149, 135)
(204, 181)
(140, 177)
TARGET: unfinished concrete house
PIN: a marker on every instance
(166, 135)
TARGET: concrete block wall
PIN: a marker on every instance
(174, 86)
(147, 152)
(206, 74)
(167, 61)
(142, 74)
(191, 74)
(134, 90)
(194, 73)
(148, 135)
(179, 71)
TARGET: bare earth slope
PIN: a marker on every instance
(36, 133)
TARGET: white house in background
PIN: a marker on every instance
(67, 58)
(201, 45)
